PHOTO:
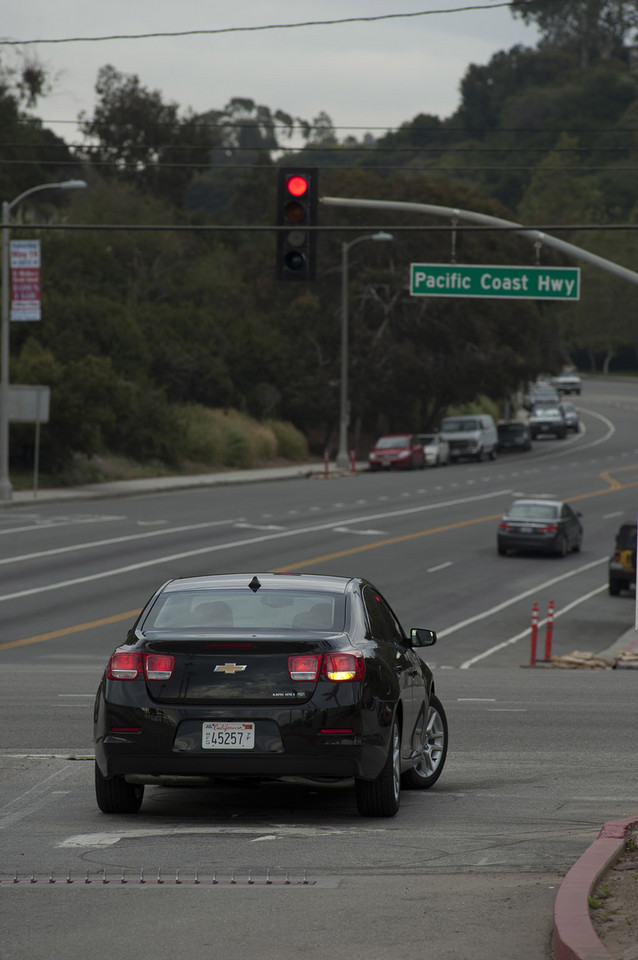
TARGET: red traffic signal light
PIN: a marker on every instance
(297, 209)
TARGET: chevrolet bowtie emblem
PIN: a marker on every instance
(230, 667)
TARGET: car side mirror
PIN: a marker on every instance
(421, 637)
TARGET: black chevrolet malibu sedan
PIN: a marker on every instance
(264, 677)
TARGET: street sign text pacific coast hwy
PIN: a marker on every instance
(505, 283)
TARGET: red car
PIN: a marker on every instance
(401, 450)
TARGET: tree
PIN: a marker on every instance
(596, 28)
(143, 140)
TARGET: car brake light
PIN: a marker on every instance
(129, 665)
(344, 666)
(124, 665)
(304, 667)
(158, 666)
(504, 526)
(549, 528)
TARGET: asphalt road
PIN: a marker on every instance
(538, 760)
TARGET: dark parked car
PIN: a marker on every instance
(513, 435)
(547, 420)
(622, 563)
(266, 677)
(404, 451)
(571, 414)
(540, 526)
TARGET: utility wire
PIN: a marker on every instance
(267, 26)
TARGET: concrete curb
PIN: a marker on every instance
(574, 937)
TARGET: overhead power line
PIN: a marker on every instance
(268, 26)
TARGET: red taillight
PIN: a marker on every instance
(304, 667)
(158, 666)
(333, 666)
(549, 528)
(504, 526)
(344, 666)
(129, 665)
(124, 665)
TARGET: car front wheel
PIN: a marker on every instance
(115, 795)
(381, 797)
(428, 769)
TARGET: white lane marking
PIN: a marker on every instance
(110, 839)
(32, 799)
(526, 633)
(250, 541)
(112, 540)
(258, 526)
(520, 596)
(361, 533)
(38, 525)
(440, 566)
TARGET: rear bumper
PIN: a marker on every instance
(304, 741)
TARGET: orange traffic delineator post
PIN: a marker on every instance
(549, 631)
(353, 462)
(326, 461)
(534, 636)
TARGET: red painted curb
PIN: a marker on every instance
(574, 937)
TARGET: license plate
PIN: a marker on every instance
(228, 736)
(527, 529)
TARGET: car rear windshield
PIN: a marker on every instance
(459, 426)
(385, 442)
(245, 610)
(533, 511)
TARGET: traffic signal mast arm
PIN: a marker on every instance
(537, 236)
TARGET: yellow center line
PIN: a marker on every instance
(65, 631)
(614, 487)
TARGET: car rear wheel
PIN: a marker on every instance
(381, 797)
(561, 548)
(614, 588)
(429, 768)
(115, 795)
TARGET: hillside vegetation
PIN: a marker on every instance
(160, 303)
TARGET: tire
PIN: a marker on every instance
(614, 588)
(479, 456)
(381, 797)
(115, 795)
(428, 770)
(562, 549)
(493, 453)
(501, 550)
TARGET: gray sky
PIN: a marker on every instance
(375, 74)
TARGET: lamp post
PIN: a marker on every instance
(343, 456)
(6, 491)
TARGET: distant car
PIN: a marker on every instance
(541, 392)
(403, 451)
(513, 435)
(265, 677)
(471, 435)
(571, 414)
(435, 449)
(567, 383)
(540, 526)
(622, 563)
(547, 419)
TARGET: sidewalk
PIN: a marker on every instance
(128, 488)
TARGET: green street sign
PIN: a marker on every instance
(503, 283)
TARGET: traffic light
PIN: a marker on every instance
(297, 210)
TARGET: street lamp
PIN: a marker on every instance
(6, 491)
(343, 456)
